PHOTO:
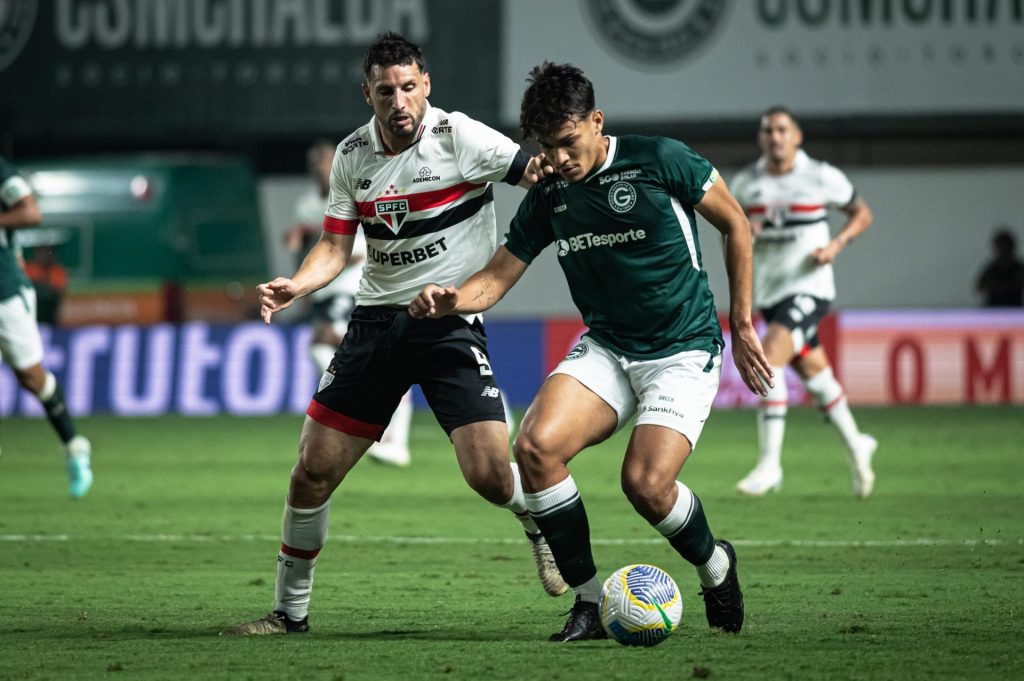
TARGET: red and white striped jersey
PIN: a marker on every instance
(793, 212)
(427, 212)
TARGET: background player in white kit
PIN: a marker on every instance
(786, 195)
(331, 307)
(417, 181)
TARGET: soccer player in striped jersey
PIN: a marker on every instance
(417, 181)
(786, 195)
(621, 215)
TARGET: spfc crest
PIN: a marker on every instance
(392, 212)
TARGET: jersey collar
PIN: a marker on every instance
(613, 145)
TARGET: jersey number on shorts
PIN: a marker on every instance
(481, 359)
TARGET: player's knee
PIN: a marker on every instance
(648, 492)
(534, 453)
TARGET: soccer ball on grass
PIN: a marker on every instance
(640, 605)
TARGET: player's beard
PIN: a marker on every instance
(399, 130)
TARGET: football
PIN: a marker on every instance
(640, 605)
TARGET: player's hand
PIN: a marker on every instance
(434, 301)
(756, 226)
(275, 296)
(750, 360)
(538, 168)
(827, 254)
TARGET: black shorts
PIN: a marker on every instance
(801, 315)
(386, 351)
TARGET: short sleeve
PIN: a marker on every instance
(342, 216)
(836, 187)
(483, 154)
(687, 174)
(530, 230)
(13, 187)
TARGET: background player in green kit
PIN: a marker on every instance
(620, 213)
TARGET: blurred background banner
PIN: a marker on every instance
(703, 59)
(251, 369)
(195, 71)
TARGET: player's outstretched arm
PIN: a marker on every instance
(322, 264)
(720, 209)
(480, 292)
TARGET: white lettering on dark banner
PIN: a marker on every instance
(115, 24)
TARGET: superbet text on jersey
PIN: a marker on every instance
(428, 212)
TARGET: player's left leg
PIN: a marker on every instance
(673, 403)
(22, 347)
(820, 382)
(565, 417)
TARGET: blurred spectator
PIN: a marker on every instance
(1002, 279)
(50, 280)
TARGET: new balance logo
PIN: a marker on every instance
(490, 392)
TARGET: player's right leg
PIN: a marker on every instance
(326, 455)
(830, 397)
(22, 347)
(584, 402)
(766, 476)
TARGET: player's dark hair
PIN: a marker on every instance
(390, 49)
(557, 93)
(779, 109)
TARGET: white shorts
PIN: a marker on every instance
(20, 343)
(675, 392)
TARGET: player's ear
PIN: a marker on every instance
(426, 84)
(597, 118)
(366, 93)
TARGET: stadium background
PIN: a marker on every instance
(915, 100)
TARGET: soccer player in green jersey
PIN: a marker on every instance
(620, 211)
(21, 345)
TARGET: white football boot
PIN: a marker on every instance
(547, 570)
(766, 477)
(860, 466)
(390, 454)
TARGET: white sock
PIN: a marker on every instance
(712, 573)
(831, 399)
(590, 590)
(322, 354)
(397, 433)
(552, 499)
(517, 504)
(510, 418)
(303, 535)
(49, 387)
(771, 420)
(679, 515)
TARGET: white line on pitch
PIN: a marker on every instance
(354, 539)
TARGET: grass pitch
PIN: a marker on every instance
(423, 580)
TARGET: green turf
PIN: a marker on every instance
(178, 538)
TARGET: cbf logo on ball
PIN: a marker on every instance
(655, 31)
(621, 197)
(17, 18)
